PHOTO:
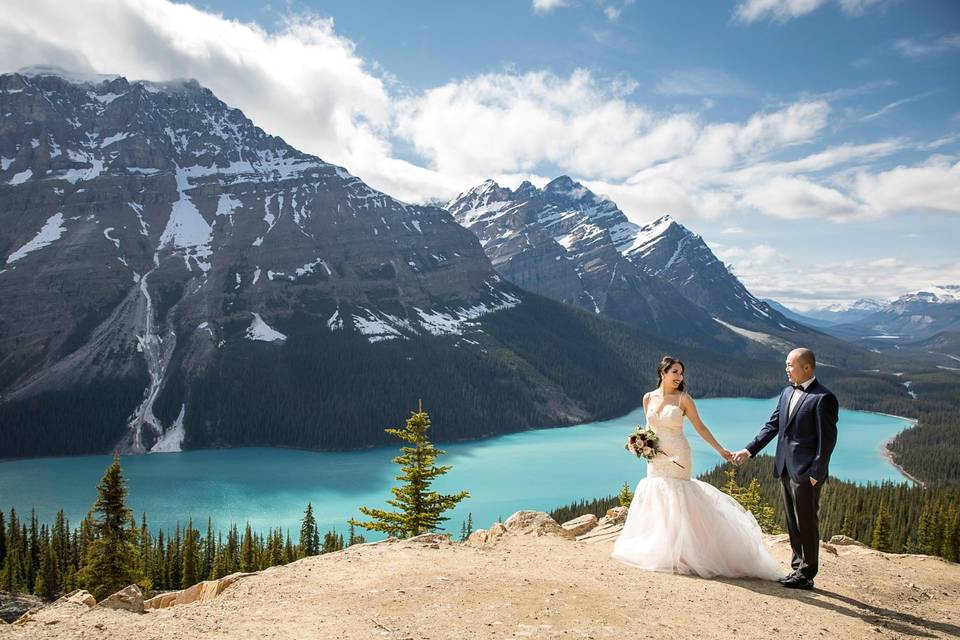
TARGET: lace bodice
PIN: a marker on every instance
(667, 420)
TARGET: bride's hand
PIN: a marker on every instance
(726, 455)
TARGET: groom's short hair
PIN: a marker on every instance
(805, 356)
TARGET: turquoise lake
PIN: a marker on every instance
(540, 469)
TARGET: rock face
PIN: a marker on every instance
(535, 523)
(174, 277)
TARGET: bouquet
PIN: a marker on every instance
(645, 443)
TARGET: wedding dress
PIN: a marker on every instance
(677, 524)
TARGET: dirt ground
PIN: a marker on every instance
(526, 586)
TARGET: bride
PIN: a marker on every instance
(681, 525)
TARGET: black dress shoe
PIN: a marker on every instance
(798, 582)
(789, 576)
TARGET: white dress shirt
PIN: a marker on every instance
(797, 395)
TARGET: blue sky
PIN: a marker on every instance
(814, 144)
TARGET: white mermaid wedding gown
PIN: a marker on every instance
(677, 524)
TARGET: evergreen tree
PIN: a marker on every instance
(846, 529)
(160, 573)
(48, 581)
(880, 539)
(309, 535)
(625, 496)
(189, 557)
(950, 547)
(420, 509)
(248, 560)
(14, 576)
(111, 562)
(60, 542)
(33, 551)
(145, 543)
(209, 550)
(3, 540)
(289, 551)
(751, 500)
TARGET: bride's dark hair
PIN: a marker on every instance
(665, 365)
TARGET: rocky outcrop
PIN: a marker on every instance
(14, 605)
(535, 523)
(580, 525)
(201, 592)
(79, 596)
(127, 599)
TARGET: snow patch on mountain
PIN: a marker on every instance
(260, 330)
(186, 229)
(51, 231)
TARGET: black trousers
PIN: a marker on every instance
(802, 501)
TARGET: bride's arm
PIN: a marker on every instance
(646, 401)
(690, 409)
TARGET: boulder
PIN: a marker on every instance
(127, 599)
(78, 596)
(536, 523)
(482, 537)
(608, 527)
(845, 540)
(581, 525)
(433, 540)
(617, 515)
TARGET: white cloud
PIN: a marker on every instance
(543, 6)
(894, 105)
(750, 11)
(932, 186)
(916, 48)
(822, 282)
(798, 197)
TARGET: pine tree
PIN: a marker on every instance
(13, 577)
(209, 550)
(111, 562)
(880, 539)
(3, 540)
(48, 581)
(846, 529)
(950, 547)
(248, 560)
(189, 557)
(145, 543)
(625, 496)
(419, 509)
(309, 535)
(60, 542)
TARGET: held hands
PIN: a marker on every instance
(726, 455)
(739, 456)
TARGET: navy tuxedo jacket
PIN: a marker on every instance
(806, 439)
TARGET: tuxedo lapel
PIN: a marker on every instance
(806, 396)
(784, 409)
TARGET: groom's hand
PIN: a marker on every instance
(740, 456)
(813, 481)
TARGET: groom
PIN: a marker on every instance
(806, 422)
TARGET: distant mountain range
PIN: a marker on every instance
(913, 316)
(570, 244)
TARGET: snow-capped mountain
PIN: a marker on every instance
(570, 244)
(839, 313)
(913, 316)
(567, 243)
(667, 249)
(172, 275)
